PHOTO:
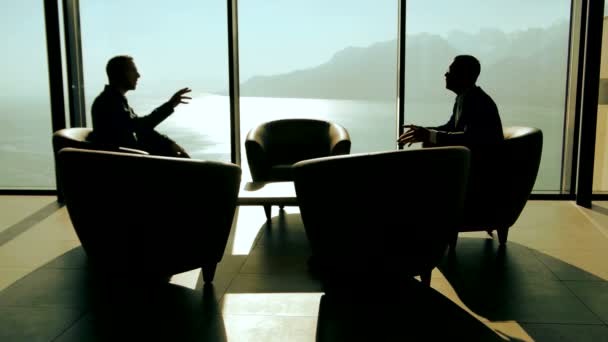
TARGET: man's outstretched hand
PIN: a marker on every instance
(414, 134)
(179, 97)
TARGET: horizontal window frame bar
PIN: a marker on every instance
(533, 196)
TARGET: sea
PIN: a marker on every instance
(202, 127)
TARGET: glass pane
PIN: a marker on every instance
(523, 50)
(186, 48)
(334, 61)
(26, 153)
(600, 177)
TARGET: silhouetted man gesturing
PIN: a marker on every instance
(115, 123)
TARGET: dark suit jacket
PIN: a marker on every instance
(479, 125)
(480, 129)
(115, 123)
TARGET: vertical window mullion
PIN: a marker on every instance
(233, 71)
(401, 70)
(73, 49)
(589, 104)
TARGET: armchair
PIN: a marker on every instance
(356, 227)
(146, 215)
(273, 147)
(499, 188)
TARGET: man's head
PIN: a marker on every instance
(463, 73)
(122, 73)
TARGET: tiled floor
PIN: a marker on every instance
(551, 284)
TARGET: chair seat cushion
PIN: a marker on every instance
(281, 172)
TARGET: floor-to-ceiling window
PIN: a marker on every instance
(523, 50)
(333, 60)
(25, 113)
(174, 45)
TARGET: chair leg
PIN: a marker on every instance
(425, 278)
(502, 235)
(209, 272)
(267, 211)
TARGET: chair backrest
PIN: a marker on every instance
(150, 211)
(288, 141)
(82, 138)
(387, 210)
(510, 179)
(77, 137)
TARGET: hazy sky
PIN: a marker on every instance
(441, 16)
(278, 36)
(175, 42)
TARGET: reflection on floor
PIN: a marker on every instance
(550, 284)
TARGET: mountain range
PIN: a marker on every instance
(528, 65)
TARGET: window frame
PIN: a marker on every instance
(577, 150)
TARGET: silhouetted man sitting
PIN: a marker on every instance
(475, 123)
(116, 124)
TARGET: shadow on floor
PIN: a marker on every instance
(520, 284)
(412, 313)
(79, 304)
(65, 301)
(600, 208)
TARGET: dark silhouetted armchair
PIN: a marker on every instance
(80, 137)
(149, 216)
(381, 216)
(500, 186)
(273, 147)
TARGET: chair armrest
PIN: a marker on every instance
(258, 136)
(132, 150)
(339, 140)
(257, 154)
(257, 159)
